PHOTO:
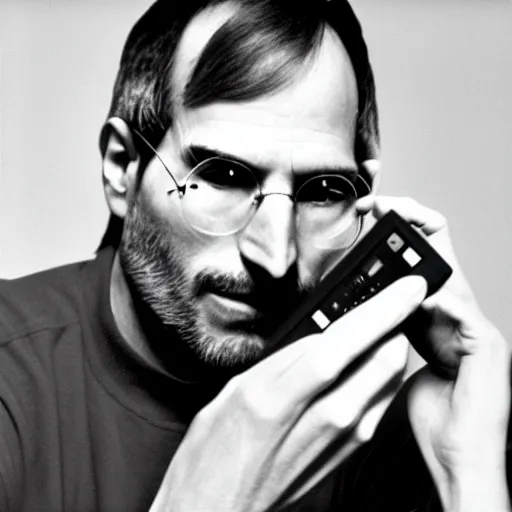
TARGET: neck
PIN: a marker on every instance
(126, 317)
(160, 347)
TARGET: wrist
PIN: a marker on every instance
(477, 491)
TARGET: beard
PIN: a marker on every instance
(166, 298)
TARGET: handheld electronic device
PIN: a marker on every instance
(390, 250)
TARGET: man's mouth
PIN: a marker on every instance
(231, 308)
(241, 305)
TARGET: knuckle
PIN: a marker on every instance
(442, 220)
(322, 368)
(365, 429)
(248, 395)
(318, 370)
(342, 418)
(361, 435)
(370, 421)
(439, 223)
(393, 355)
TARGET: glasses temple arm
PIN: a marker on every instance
(155, 153)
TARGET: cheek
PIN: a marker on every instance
(155, 193)
(157, 196)
(313, 262)
(196, 251)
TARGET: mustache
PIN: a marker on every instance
(264, 294)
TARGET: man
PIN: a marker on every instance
(239, 140)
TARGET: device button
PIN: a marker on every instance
(320, 319)
(395, 242)
(411, 256)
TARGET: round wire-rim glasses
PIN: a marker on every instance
(223, 196)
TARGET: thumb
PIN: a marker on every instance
(483, 379)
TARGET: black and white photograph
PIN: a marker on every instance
(255, 255)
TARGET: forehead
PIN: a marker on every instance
(316, 112)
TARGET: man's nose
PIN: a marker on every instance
(269, 239)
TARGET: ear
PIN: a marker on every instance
(120, 165)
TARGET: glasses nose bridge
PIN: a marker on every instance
(258, 201)
(259, 198)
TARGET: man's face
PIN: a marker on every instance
(224, 295)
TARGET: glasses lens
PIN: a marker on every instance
(326, 213)
(219, 196)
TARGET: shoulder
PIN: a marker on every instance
(45, 300)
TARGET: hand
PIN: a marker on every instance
(275, 430)
(431, 329)
(460, 424)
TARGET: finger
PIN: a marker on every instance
(343, 419)
(365, 204)
(459, 311)
(299, 372)
(327, 462)
(356, 332)
(427, 220)
(427, 401)
(443, 330)
(484, 373)
(368, 424)
(434, 225)
(344, 406)
(335, 454)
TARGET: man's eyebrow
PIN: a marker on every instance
(197, 153)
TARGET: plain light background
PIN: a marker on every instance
(444, 83)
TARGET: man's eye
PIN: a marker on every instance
(225, 174)
(325, 191)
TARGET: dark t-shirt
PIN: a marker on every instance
(86, 425)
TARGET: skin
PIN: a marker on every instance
(285, 135)
(276, 409)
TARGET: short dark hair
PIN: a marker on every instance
(234, 65)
